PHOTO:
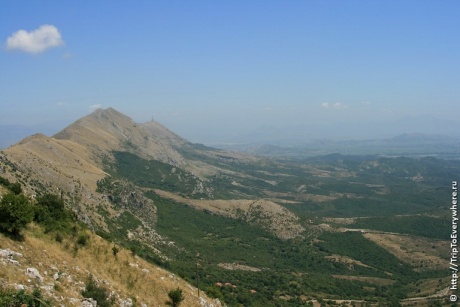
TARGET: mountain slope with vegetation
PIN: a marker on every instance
(49, 259)
(250, 231)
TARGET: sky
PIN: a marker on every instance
(210, 70)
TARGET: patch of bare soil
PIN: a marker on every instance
(379, 188)
(341, 220)
(301, 196)
(236, 266)
(336, 173)
(423, 253)
(346, 260)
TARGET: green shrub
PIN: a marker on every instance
(82, 239)
(15, 188)
(15, 213)
(59, 238)
(5, 182)
(98, 293)
(52, 214)
(176, 297)
(115, 250)
(20, 297)
(213, 292)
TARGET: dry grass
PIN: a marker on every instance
(3, 191)
(126, 275)
(55, 160)
(429, 287)
(373, 280)
(423, 253)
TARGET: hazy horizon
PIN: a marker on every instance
(288, 135)
(217, 72)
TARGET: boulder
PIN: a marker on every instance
(33, 273)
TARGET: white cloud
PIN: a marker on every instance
(339, 105)
(336, 106)
(35, 41)
(95, 106)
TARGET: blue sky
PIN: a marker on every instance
(210, 68)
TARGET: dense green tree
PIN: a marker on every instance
(51, 212)
(15, 188)
(214, 292)
(15, 213)
(50, 206)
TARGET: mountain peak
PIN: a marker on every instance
(109, 114)
(107, 130)
(107, 111)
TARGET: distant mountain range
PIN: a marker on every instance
(407, 144)
(282, 134)
(277, 133)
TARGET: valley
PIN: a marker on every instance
(251, 230)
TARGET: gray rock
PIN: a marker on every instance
(33, 273)
(7, 253)
(20, 287)
(88, 302)
(125, 303)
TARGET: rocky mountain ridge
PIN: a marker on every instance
(107, 130)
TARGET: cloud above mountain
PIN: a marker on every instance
(35, 41)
